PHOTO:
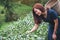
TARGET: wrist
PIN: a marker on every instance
(31, 31)
(54, 32)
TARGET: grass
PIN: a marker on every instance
(20, 10)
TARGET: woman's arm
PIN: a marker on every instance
(56, 25)
(54, 36)
(34, 28)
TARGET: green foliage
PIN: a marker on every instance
(43, 2)
(21, 9)
(16, 30)
(17, 9)
(2, 15)
(32, 2)
(10, 16)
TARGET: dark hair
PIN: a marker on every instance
(39, 6)
(37, 19)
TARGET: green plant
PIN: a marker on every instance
(16, 30)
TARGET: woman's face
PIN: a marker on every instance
(37, 11)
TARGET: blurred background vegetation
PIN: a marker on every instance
(16, 18)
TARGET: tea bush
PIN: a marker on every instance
(17, 30)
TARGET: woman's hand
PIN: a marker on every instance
(33, 29)
(54, 36)
(27, 32)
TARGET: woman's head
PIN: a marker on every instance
(38, 9)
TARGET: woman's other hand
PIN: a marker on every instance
(54, 36)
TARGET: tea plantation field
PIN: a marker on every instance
(17, 30)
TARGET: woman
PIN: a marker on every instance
(50, 16)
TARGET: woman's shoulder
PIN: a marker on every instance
(52, 11)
